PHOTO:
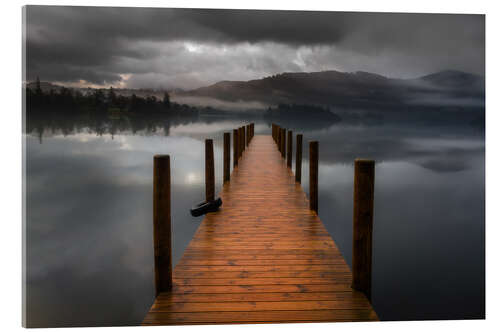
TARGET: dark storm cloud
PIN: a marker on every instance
(99, 45)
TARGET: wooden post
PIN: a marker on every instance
(240, 151)
(242, 141)
(244, 135)
(235, 148)
(239, 142)
(278, 137)
(162, 229)
(298, 159)
(227, 157)
(248, 135)
(283, 142)
(209, 170)
(313, 176)
(362, 220)
(289, 150)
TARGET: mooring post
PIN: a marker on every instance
(242, 141)
(289, 150)
(241, 137)
(248, 135)
(283, 142)
(313, 176)
(362, 221)
(244, 137)
(227, 157)
(298, 159)
(235, 148)
(209, 170)
(278, 137)
(162, 229)
(239, 143)
(240, 151)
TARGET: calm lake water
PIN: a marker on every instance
(89, 215)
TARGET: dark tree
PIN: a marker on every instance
(38, 89)
(98, 97)
(166, 100)
(112, 96)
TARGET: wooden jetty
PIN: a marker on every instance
(265, 256)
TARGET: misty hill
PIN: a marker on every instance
(455, 79)
(357, 89)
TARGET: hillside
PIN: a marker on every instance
(357, 89)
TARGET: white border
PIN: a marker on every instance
(12, 148)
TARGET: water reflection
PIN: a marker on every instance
(89, 213)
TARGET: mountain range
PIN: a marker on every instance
(351, 90)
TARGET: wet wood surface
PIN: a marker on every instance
(264, 257)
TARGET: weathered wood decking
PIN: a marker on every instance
(263, 257)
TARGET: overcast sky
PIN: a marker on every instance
(187, 48)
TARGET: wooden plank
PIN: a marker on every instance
(269, 274)
(259, 262)
(236, 256)
(344, 278)
(260, 306)
(258, 297)
(263, 288)
(172, 318)
(263, 257)
(253, 252)
(261, 268)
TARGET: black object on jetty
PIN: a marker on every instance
(206, 207)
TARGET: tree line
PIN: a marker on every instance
(101, 111)
(104, 100)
